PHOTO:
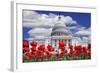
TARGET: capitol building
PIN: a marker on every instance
(60, 33)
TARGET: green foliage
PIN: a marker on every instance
(53, 58)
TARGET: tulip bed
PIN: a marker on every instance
(42, 53)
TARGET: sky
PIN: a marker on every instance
(38, 23)
(82, 18)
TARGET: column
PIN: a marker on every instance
(66, 43)
(69, 42)
(55, 42)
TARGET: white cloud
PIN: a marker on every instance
(30, 38)
(76, 40)
(84, 32)
(27, 14)
(72, 28)
(33, 19)
(39, 32)
(76, 27)
(69, 20)
(86, 38)
(77, 30)
(42, 24)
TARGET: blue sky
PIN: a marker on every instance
(82, 19)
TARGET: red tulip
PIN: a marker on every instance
(34, 53)
(77, 53)
(39, 54)
(89, 46)
(57, 54)
(78, 50)
(24, 58)
(33, 44)
(65, 51)
(41, 47)
(48, 54)
(29, 54)
(71, 47)
(33, 49)
(50, 48)
(79, 47)
(26, 49)
(71, 53)
(61, 44)
(25, 43)
(89, 51)
(62, 48)
(84, 50)
(61, 54)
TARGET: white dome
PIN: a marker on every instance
(59, 29)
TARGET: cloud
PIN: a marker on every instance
(76, 30)
(32, 19)
(39, 32)
(81, 35)
(84, 32)
(76, 40)
(27, 14)
(69, 20)
(72, 27)
(41, 24)
(86, 38)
